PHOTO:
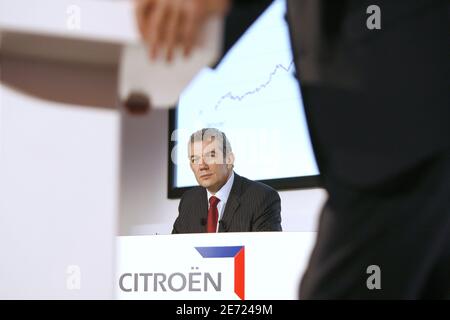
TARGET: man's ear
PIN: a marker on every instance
(230, 160)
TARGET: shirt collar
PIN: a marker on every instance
(223, 192)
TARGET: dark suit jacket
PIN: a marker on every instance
(376, 101)
(377, 105)
(251, 206)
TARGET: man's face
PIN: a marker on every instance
(210, 167)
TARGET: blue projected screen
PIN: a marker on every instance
(252, 96)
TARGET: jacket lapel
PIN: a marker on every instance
(203, 210)
(232, 204)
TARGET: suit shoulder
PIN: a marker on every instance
(257, 187)
(193, 193)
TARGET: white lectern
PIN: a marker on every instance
(220, 266)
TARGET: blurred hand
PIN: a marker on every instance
(166, 24)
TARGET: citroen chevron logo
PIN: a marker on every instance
(236, 252)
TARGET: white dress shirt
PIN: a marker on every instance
(223, 195)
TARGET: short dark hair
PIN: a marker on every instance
(211, 134)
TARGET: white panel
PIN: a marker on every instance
(111, 21)
(58, 198)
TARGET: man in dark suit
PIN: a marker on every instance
(378, 111)
(223, 201)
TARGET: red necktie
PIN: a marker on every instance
(213, 215)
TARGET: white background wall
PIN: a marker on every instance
(144, 207)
